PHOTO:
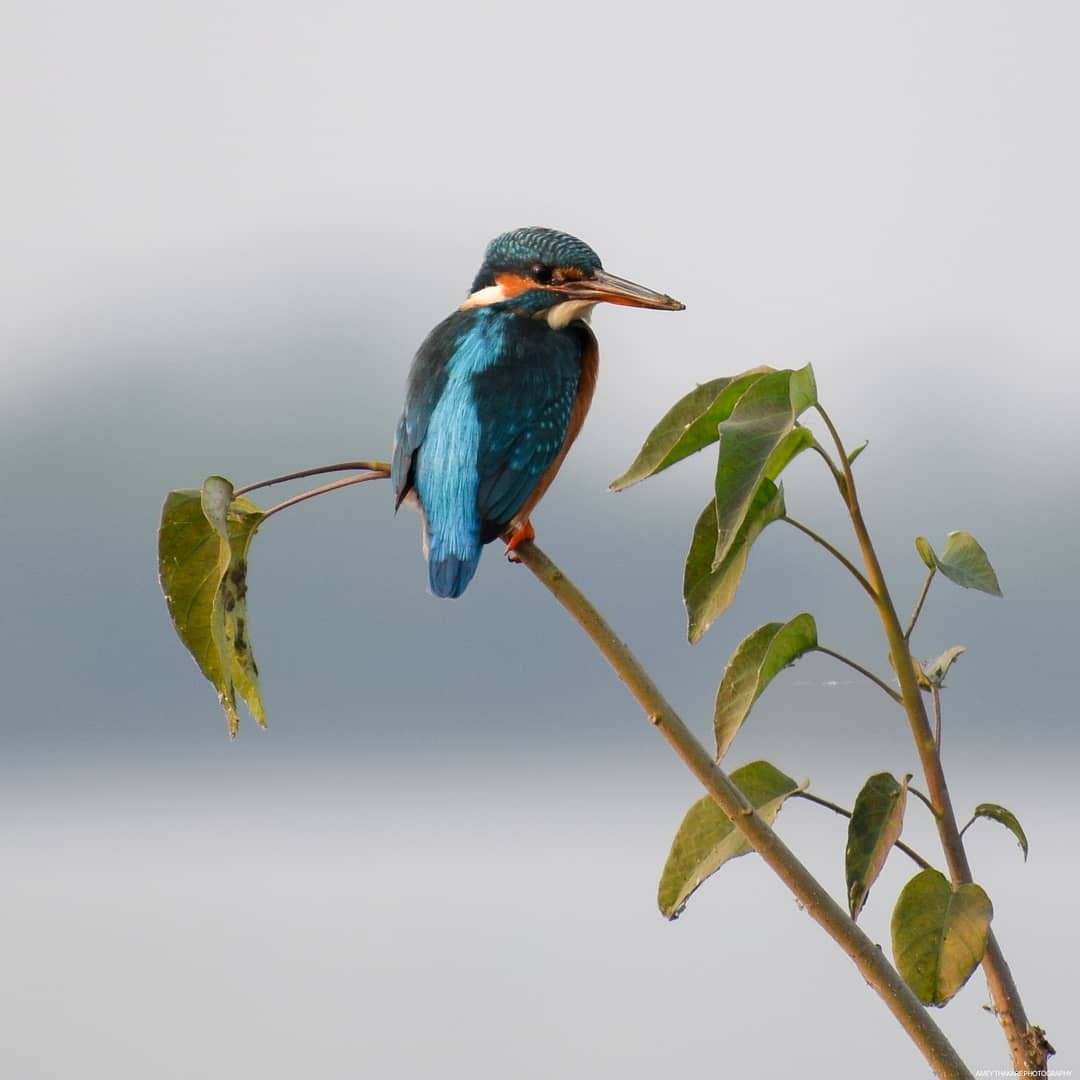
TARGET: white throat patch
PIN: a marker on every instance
(562, 315)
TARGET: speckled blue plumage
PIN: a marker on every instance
(487, 409)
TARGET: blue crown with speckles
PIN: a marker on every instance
(523, 248)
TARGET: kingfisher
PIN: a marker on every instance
(498, 392)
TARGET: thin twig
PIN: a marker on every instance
(922, 600)
(935, 697)
(380, 467)
(911, 853)
(862, 671)
(305, 495)
(834, 552)
(814, 898)
(924, 800)
(819, 449)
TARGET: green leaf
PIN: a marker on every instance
(964, 562)
(203, 543)
(875, 825)
(690, 425)
(753, 665)
(935, 671)
(759, 423)
(790, 447)
(852, 455)
(1006, 818)
(709, 590)
(939, 935)
(707, 838)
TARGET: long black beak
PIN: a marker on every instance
(607, 288)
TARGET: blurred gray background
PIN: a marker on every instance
(226, 227)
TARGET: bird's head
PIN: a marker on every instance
(547, 274)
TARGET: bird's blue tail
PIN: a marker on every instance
(449, 572)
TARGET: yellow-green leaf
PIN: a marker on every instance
(939, 935)
(753, 665)
(203, 542)
(707, 838)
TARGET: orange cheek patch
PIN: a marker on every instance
(514, 285)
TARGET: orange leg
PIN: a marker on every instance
(523, 532)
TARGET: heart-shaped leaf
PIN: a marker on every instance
(963, 561)
(939, 935)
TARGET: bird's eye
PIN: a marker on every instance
(541, 274)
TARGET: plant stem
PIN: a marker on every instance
(935, 697)
(304, 495)
(911, 853)
(919, 605)
(381, 468)
(835, 552)
(862, 671)
(1027, 1043)
(824, 454)
(868, 958)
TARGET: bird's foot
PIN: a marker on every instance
(523, 532)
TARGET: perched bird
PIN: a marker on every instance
(497, 394)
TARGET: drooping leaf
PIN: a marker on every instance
(753, 665)
(244, 519)
(1006, 818)
(964, 562)
(707, 838)
(707, 591)
(759, 423)
(935, 671)
(939, 935)
(874, 827)
(690, 425)
(202, 563)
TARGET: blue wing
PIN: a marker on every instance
(487, 410)
(525, 408)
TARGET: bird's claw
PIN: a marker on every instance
(523, 532)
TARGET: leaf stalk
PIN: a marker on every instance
(866, 672)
